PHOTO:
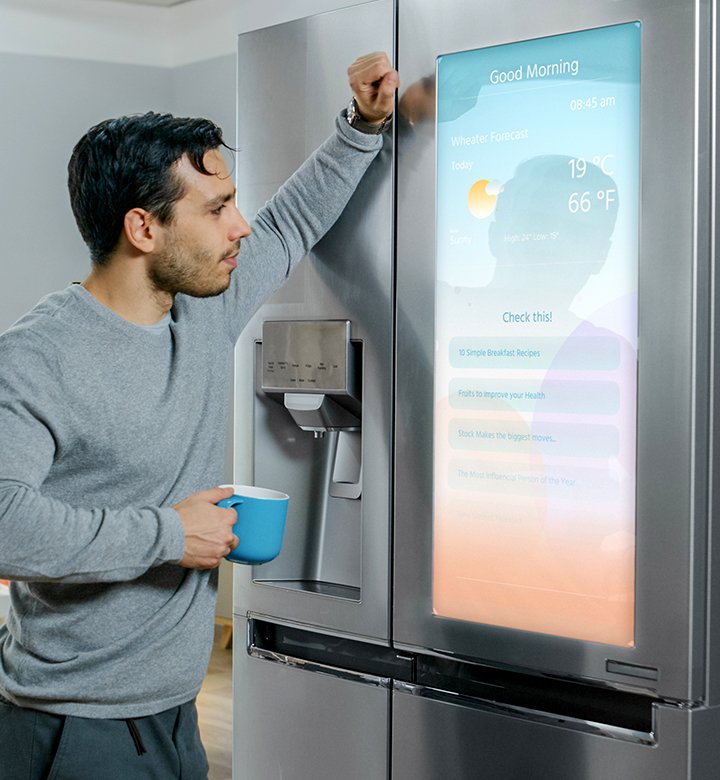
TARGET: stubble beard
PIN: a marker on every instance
(181, 270)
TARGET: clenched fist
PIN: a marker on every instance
(373, 82)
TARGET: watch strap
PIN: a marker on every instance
(357, 120)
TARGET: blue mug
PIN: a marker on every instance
(260, 523)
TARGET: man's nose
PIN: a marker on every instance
(240, 228)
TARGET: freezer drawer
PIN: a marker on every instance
(296, 724)
(435, 739)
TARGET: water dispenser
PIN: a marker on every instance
(308, 398)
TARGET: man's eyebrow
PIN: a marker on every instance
(220, 199)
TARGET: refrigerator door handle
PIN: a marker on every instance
(348, 658)
(314, 666)
(534, 716)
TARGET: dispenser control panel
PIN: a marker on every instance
(313, 356)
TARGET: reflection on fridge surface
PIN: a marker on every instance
(322, 354)
(486, 392)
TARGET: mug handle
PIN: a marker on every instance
(231, 502)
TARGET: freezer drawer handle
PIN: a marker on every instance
(377, 664)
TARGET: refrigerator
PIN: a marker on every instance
(500, 559)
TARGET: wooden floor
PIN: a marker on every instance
(214, 706)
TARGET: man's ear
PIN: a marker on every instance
(141, 229)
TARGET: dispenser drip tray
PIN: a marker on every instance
(332, 589)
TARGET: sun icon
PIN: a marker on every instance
(482, 197)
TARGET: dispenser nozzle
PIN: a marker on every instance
(318, 412)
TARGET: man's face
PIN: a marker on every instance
(199, 246)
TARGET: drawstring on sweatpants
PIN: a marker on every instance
(135, 734)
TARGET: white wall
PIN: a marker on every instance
(47, 105)
(119, 32)
(64, 66)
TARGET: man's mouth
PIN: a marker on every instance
(231, 258)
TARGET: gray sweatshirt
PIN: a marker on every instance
(104, 425)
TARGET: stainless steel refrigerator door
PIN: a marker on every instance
(334, 568)
(670, 565)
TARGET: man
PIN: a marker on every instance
(113, 406)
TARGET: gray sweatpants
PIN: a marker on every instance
(41, 746)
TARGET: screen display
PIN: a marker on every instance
(538, 173)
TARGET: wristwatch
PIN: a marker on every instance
(357, 120)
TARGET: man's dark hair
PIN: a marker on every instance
(126, 163)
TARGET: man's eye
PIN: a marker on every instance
(217, 211)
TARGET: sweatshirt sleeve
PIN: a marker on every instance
(48, 540)
(45, 539)
(298, 216)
